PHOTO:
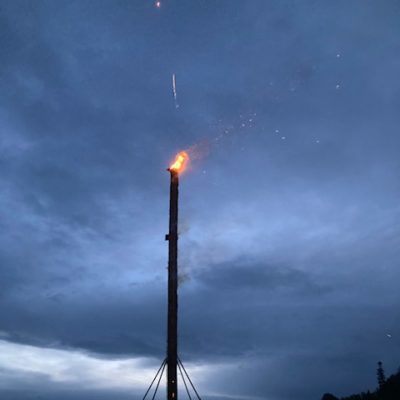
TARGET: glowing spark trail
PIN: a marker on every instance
(174, 90)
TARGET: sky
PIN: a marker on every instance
(289, 212)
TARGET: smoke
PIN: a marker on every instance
(183, 277)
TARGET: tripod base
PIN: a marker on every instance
(190, 390)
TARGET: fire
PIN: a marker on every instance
(180, 162)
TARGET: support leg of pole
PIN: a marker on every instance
(160, 371)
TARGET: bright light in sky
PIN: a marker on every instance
(64, 366)
(43, 366)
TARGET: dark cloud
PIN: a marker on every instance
(245, 276)
(289, 227)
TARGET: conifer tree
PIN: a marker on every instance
(380, 373)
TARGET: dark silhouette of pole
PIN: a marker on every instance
(172, 362)
(172, 338)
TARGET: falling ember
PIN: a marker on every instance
(174, 90)
(180, 162)
(174, 85)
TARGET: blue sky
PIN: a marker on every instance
(289, 219)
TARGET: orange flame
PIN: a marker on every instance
(180, 162)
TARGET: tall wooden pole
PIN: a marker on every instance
(172, 340)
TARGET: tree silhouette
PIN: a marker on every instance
(328, 396)
(380, 374)
(389, 388)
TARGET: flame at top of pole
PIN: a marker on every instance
(180, 163)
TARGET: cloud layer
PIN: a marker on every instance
(289, 226)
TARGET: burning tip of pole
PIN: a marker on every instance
(180, 163)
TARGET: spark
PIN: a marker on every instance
(174, 90)
(337, 86)
(158, 4)
(388, 335)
